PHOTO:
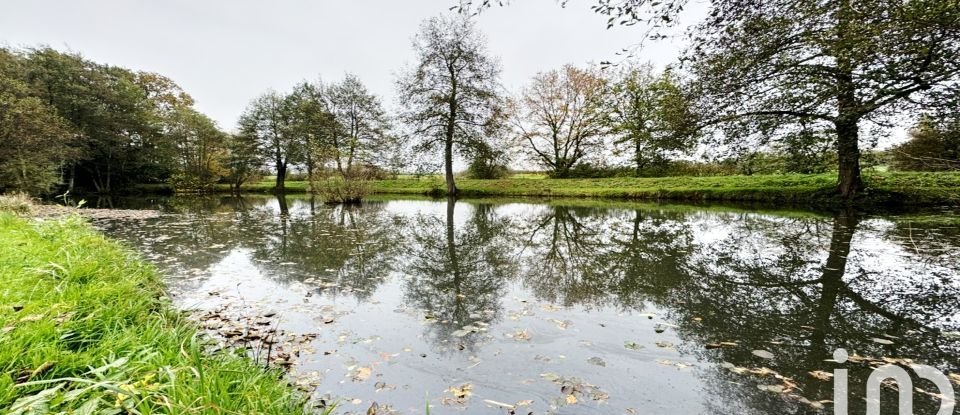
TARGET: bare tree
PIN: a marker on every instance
(451, 93)
(560, 117)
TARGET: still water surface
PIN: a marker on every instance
(620, 309)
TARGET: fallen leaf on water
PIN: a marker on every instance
(771, 388)
(632, 345)
(819, 374)
(597, 361)
(362, 374)
(571, 399)
(525, 402)
(549, 307)
(500, 404)
(461, 393)
(550, 376)
(763, 354)
(664, 344)
(520, 335)
(562, 324)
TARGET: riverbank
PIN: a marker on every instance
(883, 188)
(85, 328)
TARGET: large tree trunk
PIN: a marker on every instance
(848, 152)
(448, 168)
(451, 131)
(281, 177)
(848, 115)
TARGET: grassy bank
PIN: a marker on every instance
(883, 188)
(84, 329)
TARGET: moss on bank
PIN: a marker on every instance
(84, 328)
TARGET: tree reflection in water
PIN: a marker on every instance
(458, 274)
(798, 285)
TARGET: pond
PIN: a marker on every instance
(481, 307)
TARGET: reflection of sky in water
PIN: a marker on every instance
(580, 282)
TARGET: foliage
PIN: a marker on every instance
(94, 335)
(73, 122)
(268, 123)
(763, 67)
(200, 150)
(932, 147)
(450, 95)
(651, 117)
(561, 118)
(36, 141)
(361, 124)
(339, 189)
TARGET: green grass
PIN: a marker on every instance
(84, 328)
(882, 188)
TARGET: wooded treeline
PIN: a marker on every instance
(765, 87)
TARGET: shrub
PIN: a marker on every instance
(336, 189)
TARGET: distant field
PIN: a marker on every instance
(883, 188)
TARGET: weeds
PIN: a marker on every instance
(17, 203)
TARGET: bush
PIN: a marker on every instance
(336, 190)
(484, 169)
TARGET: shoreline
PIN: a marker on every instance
(884, 190)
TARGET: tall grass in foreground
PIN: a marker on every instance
(84, 329)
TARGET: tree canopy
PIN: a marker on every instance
(451, 94)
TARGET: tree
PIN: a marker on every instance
(561, 117)
(933, 146)
(36, 141)
(651, 116)
(199, 149)
(113, 116)
(361, 122)
(312, 123)
(767, 65)
(243, 161)
(268, 122)
(451, 93)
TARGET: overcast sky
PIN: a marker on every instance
(225, 52)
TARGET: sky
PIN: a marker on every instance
(225, 53)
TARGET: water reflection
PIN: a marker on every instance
(797, 285)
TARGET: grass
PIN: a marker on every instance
(17, 203)
(883, 188)
(84, 328)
